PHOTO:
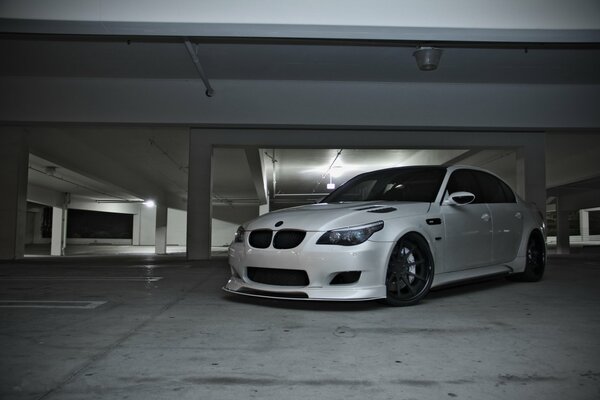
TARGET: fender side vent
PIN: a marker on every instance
(384, 210)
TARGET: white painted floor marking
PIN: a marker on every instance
(86, 305)
(82, 278)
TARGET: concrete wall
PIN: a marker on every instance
(147, 221)
(176, 227)
(222, 232)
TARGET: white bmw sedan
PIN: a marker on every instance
(391, 234)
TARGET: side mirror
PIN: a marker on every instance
(460, 199)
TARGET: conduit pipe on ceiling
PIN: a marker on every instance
(192, 48)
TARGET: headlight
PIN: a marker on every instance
(350, 236)
(239, 235)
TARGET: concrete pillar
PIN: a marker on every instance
(263, 208)
(584, 225)
(59, 231)
(199, 216)
(562, 229)
(160, 237)
(531, 172)
(135, 237)
(14, 165)
(59, 227)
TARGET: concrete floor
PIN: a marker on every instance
(181, 337)
(75, 250)
(37, 250)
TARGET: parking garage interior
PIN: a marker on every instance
(134, 142)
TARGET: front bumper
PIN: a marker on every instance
(320, 262)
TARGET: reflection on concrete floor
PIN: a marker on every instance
(43, 250)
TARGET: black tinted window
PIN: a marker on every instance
(508, 193)
(486, 188)
(490, 188)
(403, 184)
(463, 180)
(357, 192)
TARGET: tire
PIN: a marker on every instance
(410, 271)
(535, 260)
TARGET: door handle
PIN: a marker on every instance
(485, 217)
(518, 215)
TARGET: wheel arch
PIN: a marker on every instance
(422, 236)
(518, 264)
(407, 294)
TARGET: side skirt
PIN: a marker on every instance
(473, 274)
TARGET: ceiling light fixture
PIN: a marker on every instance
(428, 58)
(330, 185)
(150, 203)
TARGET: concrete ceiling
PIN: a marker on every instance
(129, 162)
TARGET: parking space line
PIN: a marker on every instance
(82, 278)
(86, 305)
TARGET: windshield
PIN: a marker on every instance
(419, 184)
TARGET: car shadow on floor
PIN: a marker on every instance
(469, 287)
(458, 289)
(305, 305)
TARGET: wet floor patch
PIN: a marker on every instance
(232, 380)
(85, 305)
(525, 379)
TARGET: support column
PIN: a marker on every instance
(14, 165)
(584, 225)
(59, 227)
(160, 237)
(199, 216)
(531, 172)
(263, 208)
(57, 245)
(562, 231)
(135, 237)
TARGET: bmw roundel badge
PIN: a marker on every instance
(279, 223)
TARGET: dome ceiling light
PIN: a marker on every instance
(428, 58)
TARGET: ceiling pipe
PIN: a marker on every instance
(192, 48)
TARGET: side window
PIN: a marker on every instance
(508, 193)
(494, 190)
(463, 180)
(490, 188)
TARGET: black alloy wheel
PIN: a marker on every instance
(410, 271)
(535, 260)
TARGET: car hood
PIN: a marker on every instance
(326, 216)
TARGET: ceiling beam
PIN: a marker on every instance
(458, 159)
(469, 20)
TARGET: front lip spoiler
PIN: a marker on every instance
(287, 295)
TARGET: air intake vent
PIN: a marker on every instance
(261, 239)
(279, 277)
(344, 278)
(288, 239)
